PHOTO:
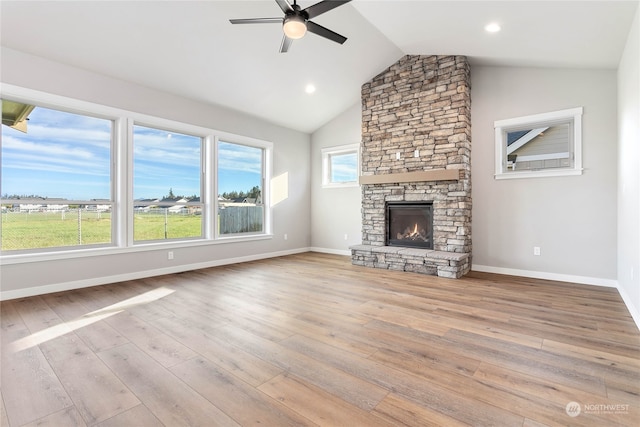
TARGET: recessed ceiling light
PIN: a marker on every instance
(310, 89)
(492, 27)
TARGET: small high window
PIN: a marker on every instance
(548, 144)
(340, 166)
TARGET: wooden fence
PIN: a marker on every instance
(241, 219)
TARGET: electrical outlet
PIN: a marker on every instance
(416, 153)
(398, 155)
(170, 255)
(346, 237)
(536, 250)
(285, 236)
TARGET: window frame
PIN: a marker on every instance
(181, 128)
(572, 116)
(328, 153)
(267, 159)
(122, 179)
(81, 108)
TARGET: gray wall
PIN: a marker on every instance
(573, 219)
(335, 211)
(629, 171)
(291, 156)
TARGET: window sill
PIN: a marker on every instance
(22, 258)
(539, 174)
(341, 185)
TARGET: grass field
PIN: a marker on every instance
(59, 229)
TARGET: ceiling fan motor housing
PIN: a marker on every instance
(294, 23)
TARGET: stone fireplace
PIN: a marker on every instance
(416, 148)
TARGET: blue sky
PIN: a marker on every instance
(65, 155)
(239, 167)
(344, 167)
(62, 155)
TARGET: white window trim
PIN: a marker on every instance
(267, 165)
(326, 165)
(538, 120)
(122, 177)
(536, 157)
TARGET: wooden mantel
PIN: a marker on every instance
(418, 176)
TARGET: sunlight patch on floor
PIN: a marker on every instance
(89, 318)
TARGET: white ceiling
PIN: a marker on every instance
(189, 48)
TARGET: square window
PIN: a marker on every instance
(340, 166)
(548, 144)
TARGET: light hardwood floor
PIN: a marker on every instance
(310, 339)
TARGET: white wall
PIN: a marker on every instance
(573, 219)
(335, 211)
(629, 171)
(291, 156)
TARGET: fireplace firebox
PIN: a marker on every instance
(409, 224)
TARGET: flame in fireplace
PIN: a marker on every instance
(415, 234)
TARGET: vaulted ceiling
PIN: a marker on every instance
(189, 48)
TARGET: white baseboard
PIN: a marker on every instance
(67, 286)
(633, 310)
(331, 251)
(583, 280)
(59, 287)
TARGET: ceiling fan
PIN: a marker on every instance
(296, 22)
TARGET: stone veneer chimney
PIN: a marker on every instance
(420, 103)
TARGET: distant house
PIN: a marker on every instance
(57, 208)
(251, 200)
(31, 207)
(178, 208)
(144, 204)
(540, 148)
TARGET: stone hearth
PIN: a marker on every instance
(416, 146)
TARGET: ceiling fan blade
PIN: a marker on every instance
(284, 5)
(322, 7)
(286, 43)
(256, 21)
(325, 32)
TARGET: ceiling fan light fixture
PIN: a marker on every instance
(294, 27)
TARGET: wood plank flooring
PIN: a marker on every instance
(310, 340)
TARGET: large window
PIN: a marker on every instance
(56, 178)
(241, 180)
(166, 185)
(77, 175)
(340, 166)
(546, 144)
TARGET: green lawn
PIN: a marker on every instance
(49, 229)
(152, 227)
